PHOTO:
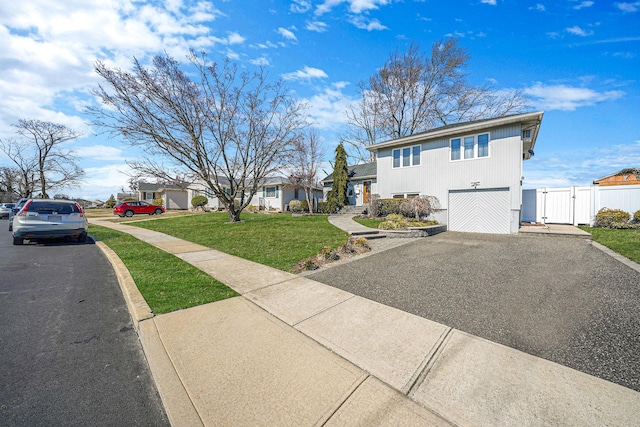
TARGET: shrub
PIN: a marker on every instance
(295, 206)
(393, 225)
(158, 201)
(329, 254)
(199, 202)
(394, 217)
(419, 206)
(605, 218)
(130, 199)
(374, 206)
(390, 206)
(636, 217)
(322, 207)
(362, 242)
(305, 206)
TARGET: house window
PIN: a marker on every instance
(416, 155)
(410, 156)
(149, 196)
(272, 191)
(469, 143)
(455, 149)
(474, 146)
(295, 193)
(483, 145)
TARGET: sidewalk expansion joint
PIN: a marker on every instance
(331, 412)
(324, 310)
(425, 367)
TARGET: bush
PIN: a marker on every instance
(158, 201)
(295, 206)
(323, 207)
(199, 202)
(636, 217)
(305, 206)
(606, 218)
(390, 206)
(374, 206)
(393, 225)
(419, 206)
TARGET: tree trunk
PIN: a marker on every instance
(234, 216)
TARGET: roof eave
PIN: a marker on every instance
(534, 118)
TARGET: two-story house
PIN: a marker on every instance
(473, 168)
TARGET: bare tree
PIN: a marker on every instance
(42, 161)
(412, 93)
(305, 163)
(10, 188)
(226, 129)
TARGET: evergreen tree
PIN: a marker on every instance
(111, 202)
(338, 197)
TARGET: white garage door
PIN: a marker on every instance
(480, 211)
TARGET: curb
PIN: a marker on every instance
(626, 261)
(175, 398)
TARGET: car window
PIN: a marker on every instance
(49, 208)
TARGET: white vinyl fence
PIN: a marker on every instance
(577, 205)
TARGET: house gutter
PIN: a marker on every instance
(533, 118)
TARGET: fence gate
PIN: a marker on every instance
(570, 205)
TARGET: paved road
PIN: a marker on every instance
(553, 297)
(68, 353)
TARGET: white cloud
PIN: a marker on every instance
(307, 73)
(628, 7)
(287, 34)
(100, 152)
(300, 6)
(327, 108)
(539, 7)
(355, 6)
(262, 61)
(363, 24)
(583, 5)
(491, 2)
(567, 98)
(317, 26)
(577, 31)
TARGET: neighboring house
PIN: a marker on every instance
(120, 197)
(275, 193)
(629, 176)
(362, 183)
(173, 197)
(473, 168)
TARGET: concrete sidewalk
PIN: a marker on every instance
(292, 351)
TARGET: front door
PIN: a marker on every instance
(366, 192)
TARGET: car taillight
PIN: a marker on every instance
(80, 211)
(25, 208)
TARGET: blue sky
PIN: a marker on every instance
(578, 60)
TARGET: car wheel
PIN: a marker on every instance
(17, 240)
(158, 211)
(128, 214)
(82, 238)
(10, 225)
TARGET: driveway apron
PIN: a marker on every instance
(558, 298)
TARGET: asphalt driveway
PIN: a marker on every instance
(557, 298)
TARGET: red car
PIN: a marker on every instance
(130, 208)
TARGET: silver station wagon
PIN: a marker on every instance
(49, 219)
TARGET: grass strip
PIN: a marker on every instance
(165, 281)
(278, 240)
(369, 222)
(624, 242)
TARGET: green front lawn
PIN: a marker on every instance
(278, 240)
(165, 281)
(625, 242)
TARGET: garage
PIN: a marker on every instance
(480, 211)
